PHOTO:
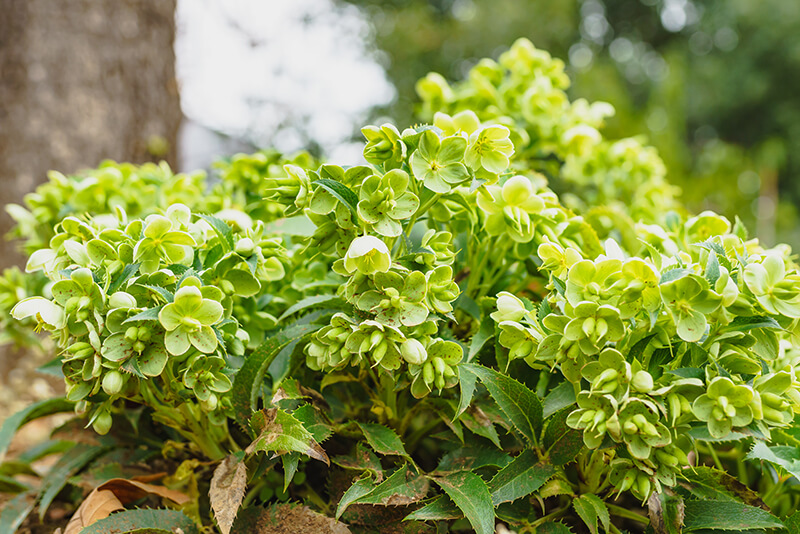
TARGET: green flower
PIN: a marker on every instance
(688, 300)
(557, 259)
(438, 162)
(595, 414)
(367, 255)
(384, 146)
(593, 326)
(490, 148)
(509, 308)
(293, 190)
(139, 349)
(509, 208)
(327, 350)
(771, 403)
(724, 406)
(610, 374)
(48, 314)
(638, 288)
(587, 280)
(380, 343)
(397, 300)
(435, 249)
(204, 376)
(439, 370)
(161, 243)
(520, 341)
(188, 321)
(442, 290)
(464, 121)
(641, 429)
(777, 293)
(385, 201)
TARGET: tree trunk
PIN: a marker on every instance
(80, 82)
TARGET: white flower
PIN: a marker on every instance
(509, 308)
(368, 255)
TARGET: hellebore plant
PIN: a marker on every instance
(433, 341)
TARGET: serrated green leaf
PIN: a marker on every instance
(341, 192)
(711, 246)
(672, 275)
(247, 382)
(712, 268)
(403, 487)
(592, 509)
(553, 527)
(290, 462)
(477, 423)
(743, 324)
(440, 508)
(471, 494)
(164, 293)
(310, 302)
(781, 456)
(524, 475)
(521, 405)
(562, 442)
(143, 519)
(150, 314)
(280, 432)
(481, 337)
(314, 422)
(466, 383)
(57, 477)
(725, 515)
(383, 440)
(126, 274)
(360, 488)
(471, 458)
(710, 483)
(560, 397)
(26, 415)
(15, 511)
(222, 229)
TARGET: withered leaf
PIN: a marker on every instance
(227, 491)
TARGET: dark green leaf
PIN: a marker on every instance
(562, 442)
(145, 519)
(310, 302)
(314, 422)
(783, 457)
(477, 422)
(521, 477)
(126, 274)
(481, 337)
(402, 488)
(712, 268)
(672, 275)
(222, 230)
(742, 324)
(382, 439)
(341, 192)
(247, 383)
(56, 478)
(280, 432)
(553, 527)
(440, 508)
(666, 513)
(466, 382)
(590, 509)
(471, 458)
(150, 314)
(560, 397)
(710, 483)
(26, 415)
(521, 405)
(15, 511)
(725, 515)
(360, 488)
(471, 494)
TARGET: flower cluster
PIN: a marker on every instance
(679, 346)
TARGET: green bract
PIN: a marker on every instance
(385, 202)
(439, 162)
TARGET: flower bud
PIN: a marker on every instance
(642, 382)
(413, 351)
(113, 382)
(121, 299)
(367, 255)
(102, 423)
(245, 246)
(509, 308)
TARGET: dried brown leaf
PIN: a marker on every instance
(287, 519)
(112, 496)
(227, 491)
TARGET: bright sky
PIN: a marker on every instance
(277, 72)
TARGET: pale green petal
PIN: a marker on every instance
(153, 360)
(209, 312)
(177, 342)
(204, 339)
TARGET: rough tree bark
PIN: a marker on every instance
(82, 81)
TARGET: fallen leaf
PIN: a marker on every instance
(112, 496)
(287, 519)
(227, 491)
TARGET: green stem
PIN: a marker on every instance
(619, 511)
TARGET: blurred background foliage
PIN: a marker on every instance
(713, 85)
